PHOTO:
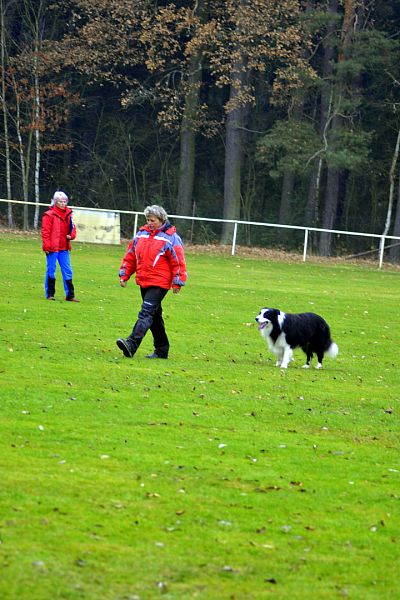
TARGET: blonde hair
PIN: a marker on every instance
(156, 211)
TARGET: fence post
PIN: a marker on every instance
(381, 237)
(381, 251)
(234, 238)
(135, 225)
(305, 245)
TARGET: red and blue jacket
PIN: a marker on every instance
(56, 225)
(156, 257)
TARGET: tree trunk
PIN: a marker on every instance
(233, 154)
(286, 198)
(232, 173)
(288, 181)
(330, 209)
(394, 252)
(312, 208)
(188, 139)
(392, 175)
(333, 175)
(37, 134)
(24, 160)
(10, 216)
(289, 177)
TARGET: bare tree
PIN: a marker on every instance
(394, 252)
(36, 22)
(3, 100)
(392, 177)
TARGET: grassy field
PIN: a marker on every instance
(213, 475)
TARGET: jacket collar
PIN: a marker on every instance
(164, 227)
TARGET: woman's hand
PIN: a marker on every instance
(122, 283)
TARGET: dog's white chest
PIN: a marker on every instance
(279, 344)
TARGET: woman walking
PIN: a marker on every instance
(156, 256)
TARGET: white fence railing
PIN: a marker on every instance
(382, 238)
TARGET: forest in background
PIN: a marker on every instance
(262, 110)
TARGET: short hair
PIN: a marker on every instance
(59, 195)
(156, 211)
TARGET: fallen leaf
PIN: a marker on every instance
(261, 530)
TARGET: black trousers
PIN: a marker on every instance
(150, 317)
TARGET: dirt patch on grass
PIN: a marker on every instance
(19, 233)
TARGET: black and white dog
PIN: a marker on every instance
(284, 332)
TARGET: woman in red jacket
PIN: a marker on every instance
(156, 256)
(57, 232)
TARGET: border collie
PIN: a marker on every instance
(284, 332)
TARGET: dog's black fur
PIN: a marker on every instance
(284, 332)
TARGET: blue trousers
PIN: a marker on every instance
(66, 270)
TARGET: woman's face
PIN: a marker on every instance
(154, 222)
(61, 203)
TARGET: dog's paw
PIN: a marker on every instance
(318, 366)
(306, 366)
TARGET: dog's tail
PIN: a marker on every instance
(333, 350)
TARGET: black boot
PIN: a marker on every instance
(51, 288)
(159, 351)
(128, 346)
(71, 292)
(142, 325)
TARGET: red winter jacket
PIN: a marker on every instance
(156, 257)
(56, 225)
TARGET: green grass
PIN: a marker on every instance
(212, 475)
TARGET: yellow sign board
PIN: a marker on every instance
(97, 226)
